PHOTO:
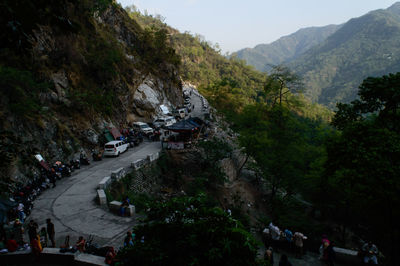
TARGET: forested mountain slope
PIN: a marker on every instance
(364, 46)
(285, 49)
(69, 69)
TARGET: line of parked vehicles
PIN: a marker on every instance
(136, 135)
(24, 195)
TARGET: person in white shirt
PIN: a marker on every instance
(298, 243)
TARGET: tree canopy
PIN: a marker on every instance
(190, 231)
(362, 170)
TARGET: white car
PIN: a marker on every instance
(115, 148)
(180, 113)
(142, 127)
(165, 121)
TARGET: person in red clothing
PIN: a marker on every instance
(80, 244)
(36, 246)
(110, 256)
(11, 244)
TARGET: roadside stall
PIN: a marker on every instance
(186, 131)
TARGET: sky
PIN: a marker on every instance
(237, 24)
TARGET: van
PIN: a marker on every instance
(164, 121)
(170, 121)
(180, 113)
(115, 148)
(142, 127)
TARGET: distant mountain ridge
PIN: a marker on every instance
(334, 67)
(286, 48)
(365, 46)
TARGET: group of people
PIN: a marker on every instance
(38, 239)
(277, 239)
(295, 241)
(290, 240)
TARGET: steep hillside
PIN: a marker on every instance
(286, 48)
(364, 46)
(228, 83)
(204, 66)
(70, 68)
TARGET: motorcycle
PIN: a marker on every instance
(95, 249)
(65, 171)
(84, 160)
(76, 164)
(97, 156)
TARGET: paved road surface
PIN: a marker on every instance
(71, 204)
(196, 100)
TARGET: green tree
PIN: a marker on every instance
(271, 136)
(190, 231)
(362, 170)
(282, 83)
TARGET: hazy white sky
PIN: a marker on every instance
(236, 24)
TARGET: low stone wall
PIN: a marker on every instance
(153, 157)
(102, 198)
(105, 182)
(117, 175)
(116, 205)
(346, 256)
(136, 165)
(50, 256)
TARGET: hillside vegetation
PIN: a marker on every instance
(333, 60)
(69, 68)
(364, 46)
(228, 83)
(285, 49)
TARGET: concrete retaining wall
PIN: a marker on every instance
(50, 256)
(138, 164)
(105, 182)
(142, 162)
(118, 174)
(102, 198)
(153, 157)
(346, 256)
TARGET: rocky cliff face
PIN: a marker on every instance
(98, 69)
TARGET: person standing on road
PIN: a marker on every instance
(371, 251)
(51, 232)
(32, 230)
(298, 243)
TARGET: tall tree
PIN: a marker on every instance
(281, 83)
(362, 167)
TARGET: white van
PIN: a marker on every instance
(164, 121)
(142, 127)
(180, 113)
(115, 148)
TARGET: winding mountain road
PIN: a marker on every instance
(72, 207)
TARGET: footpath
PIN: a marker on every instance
(72, 207)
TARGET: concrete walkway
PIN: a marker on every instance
(71, 204)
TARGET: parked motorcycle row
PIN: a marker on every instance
(24, 195)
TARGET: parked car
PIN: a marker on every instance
(165, 121)
(171, 120)
(180, 113)
(142, 127)
(115, 148)
(134, 140)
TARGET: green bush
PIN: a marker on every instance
(190, 231)
(21, 90)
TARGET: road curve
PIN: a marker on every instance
(71, 204)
